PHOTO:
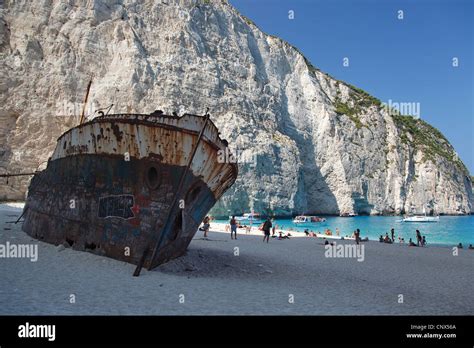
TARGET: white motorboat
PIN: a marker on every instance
(421, 218)
(348, 214)
(248, 218)
(307, 220)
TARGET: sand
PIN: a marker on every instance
(262, 279)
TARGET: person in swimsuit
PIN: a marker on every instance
(233, 227)
(267, 225)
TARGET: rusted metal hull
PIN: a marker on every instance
(111, 184)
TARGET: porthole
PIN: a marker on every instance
(152, 178)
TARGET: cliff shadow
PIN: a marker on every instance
(313, 190)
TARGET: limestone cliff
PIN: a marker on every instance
(317, 144)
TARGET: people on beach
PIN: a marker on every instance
(357, 236)
(233, 227)
(337, 232)
(267, 225)
(381, 239)
(274, 229)
(470, 247)
(206, 225)
(418, 237)
(306, 232)
(423, 241)
(387, 239)
(392, 231)
(286, 236)
(460, 246)
(410, 243)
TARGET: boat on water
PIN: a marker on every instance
(348, 214)
(248, 218)
(421, 218)
(307, 220)
(133, 187)
(424, 217)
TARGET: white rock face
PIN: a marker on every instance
(266, 99)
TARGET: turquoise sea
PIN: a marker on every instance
(450, 230)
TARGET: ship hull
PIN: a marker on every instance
(134, 208)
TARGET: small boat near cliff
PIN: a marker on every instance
(421, 218)
(348, 214)
(248, 218)
(307, 220)
(133, 187)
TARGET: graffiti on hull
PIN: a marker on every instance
(121, 206)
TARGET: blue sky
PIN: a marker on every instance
(407, 60)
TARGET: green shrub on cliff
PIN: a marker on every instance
(426, 138)
(363, 98)
(342, 108)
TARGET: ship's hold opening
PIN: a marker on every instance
(177, 226)
(152, 178)
(89, 246)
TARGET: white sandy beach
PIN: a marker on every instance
(260, 280)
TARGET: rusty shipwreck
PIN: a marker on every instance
(133, 187)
